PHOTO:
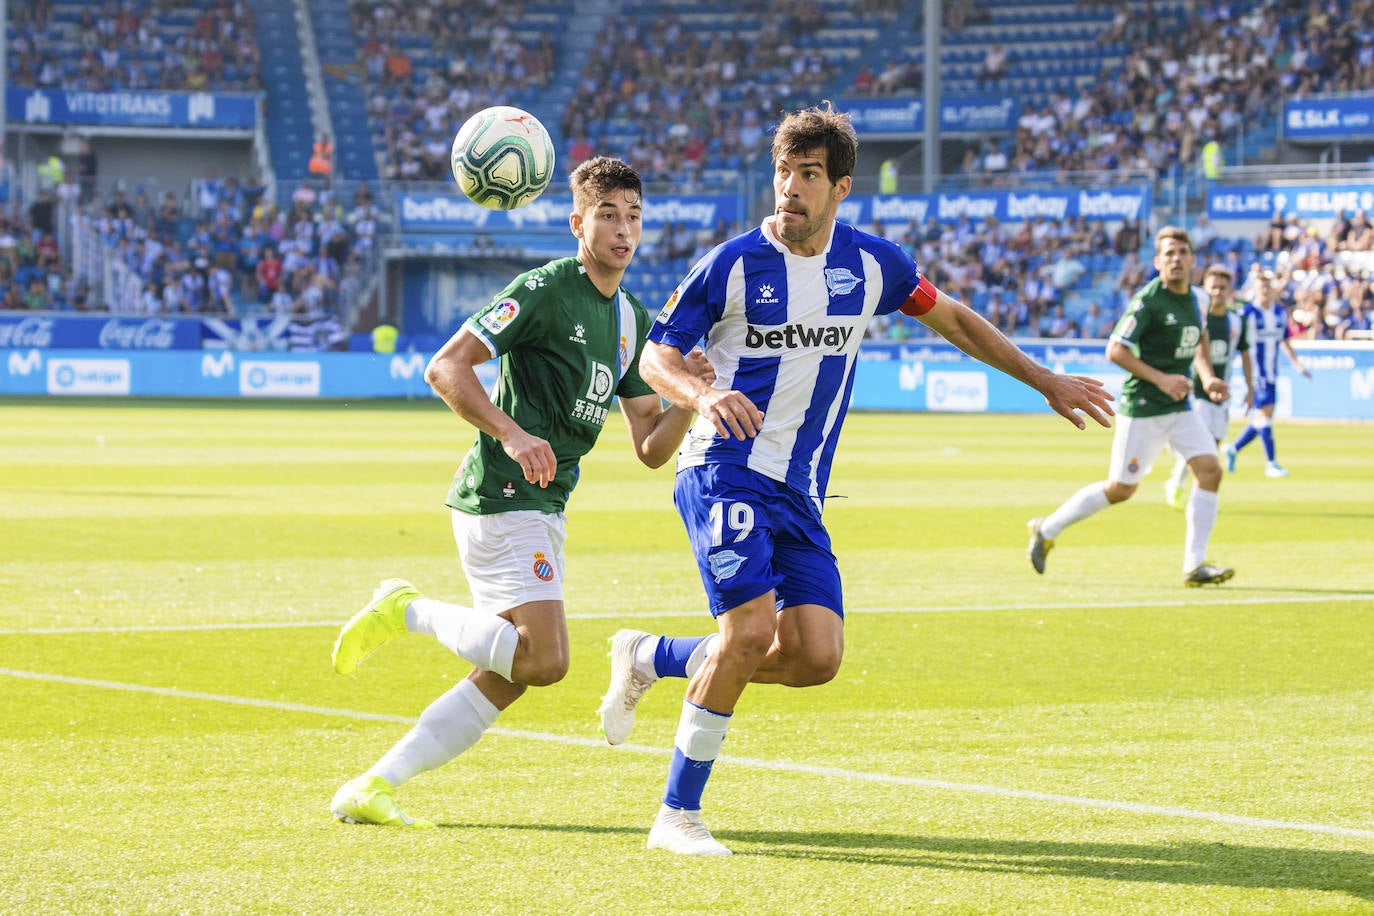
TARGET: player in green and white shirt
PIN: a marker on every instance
(569, 340)
(1226, 329)
(1159, 339)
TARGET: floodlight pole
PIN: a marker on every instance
(930, 146)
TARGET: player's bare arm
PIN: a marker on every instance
(657, 432)
(452, 375)
(1175, 386)
(1247, 366)
(729, 411)
(1293, 358)
(976, 336)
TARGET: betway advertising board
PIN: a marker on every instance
(1108, 205)
(435, 212)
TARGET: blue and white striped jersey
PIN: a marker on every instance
(1266, 329)
(784, 330)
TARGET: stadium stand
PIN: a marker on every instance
(686, 90)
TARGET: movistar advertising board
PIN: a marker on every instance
(932, 376)
(221, 110)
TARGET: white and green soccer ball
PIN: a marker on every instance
(502, 158)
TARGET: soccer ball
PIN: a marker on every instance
(502, 158)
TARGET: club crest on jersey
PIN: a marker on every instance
(725, 564)
(501, 315)
(767, 295)
(543, 569)
(841, 281)
(623, 353)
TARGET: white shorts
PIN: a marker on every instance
(1139, 440)
(1215, 417)
(511, 558)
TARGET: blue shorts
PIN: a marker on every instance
(1266, 392)
(752, 535)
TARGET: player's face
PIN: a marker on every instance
(1219, 288)
(1174, 261)
(609, 232)
(805, 201)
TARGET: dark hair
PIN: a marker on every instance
(816, 128)
(599, 177)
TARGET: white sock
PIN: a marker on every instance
(1201, 515)
(701, 653)
(644, 658)
(450, 725)
(477, 637)
(1088, 501)
(1178, 476)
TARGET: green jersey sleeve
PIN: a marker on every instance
(631, 384)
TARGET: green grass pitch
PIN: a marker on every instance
(1097, 740)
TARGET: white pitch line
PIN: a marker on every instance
(1234, 820)
(937, 609)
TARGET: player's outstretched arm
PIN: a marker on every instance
(656, 432)
(1067, 395)
(729, 411)
(451, 374)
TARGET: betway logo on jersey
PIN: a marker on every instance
(798, 336)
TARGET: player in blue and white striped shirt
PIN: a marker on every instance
(783, 309)
(1266, 324)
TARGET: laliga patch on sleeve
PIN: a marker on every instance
(667, 311)
(501, 315)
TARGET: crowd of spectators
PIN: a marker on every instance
(134, 45)
(1327, 273)
(676, 101)
(219, 250)
(428, 67)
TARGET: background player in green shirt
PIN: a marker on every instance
(1226, 330)
(569, 340)
(1156, 341)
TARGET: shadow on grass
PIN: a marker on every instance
(1193, 864)
(1182, 863)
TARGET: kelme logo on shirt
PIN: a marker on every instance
(841, 281)
(767, 295)
(798, 336)
(501, 315)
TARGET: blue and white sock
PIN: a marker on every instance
(681, 656)
(700, 734)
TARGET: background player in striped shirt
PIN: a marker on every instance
(1266, 321)
(783, 309)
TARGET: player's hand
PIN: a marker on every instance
(731, 413)
(1249, 399)
(1176, 386)
(1306, 374)
(1217, 389)
(534, 455)
(699, 366)
(1068, 394)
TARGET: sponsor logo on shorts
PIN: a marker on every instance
(725, 564)
(543, 569)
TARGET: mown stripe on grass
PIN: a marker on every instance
(1339, 598)
(1234, 820)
